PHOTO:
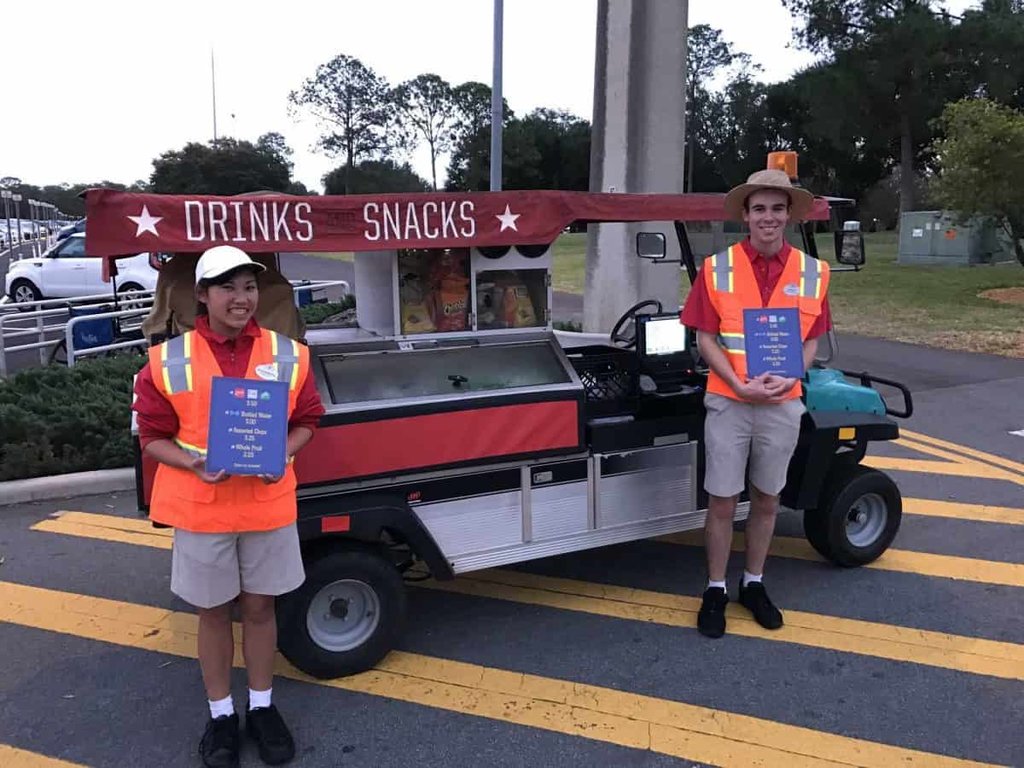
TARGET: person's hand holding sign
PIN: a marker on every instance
(199, 467)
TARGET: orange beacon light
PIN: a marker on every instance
(783, 161)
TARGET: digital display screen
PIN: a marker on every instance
(664, 336)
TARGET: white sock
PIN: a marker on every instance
(222, 707)
(749, 577)
(719, 584)
(258, 699)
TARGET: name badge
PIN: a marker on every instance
(267, 372)
(791, 289)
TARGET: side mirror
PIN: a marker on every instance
(651, 245)
(850, 244)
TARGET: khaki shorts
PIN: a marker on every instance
(736, 432)
(210, 569)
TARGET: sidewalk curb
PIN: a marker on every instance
(66, 486)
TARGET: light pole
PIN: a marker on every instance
(16, 199)
(497, 114)
(33, 226)
(5, 195)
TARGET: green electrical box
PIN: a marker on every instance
(937, 237)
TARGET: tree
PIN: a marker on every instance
(706, 54)
(223, 167)
(428, 111)
(989, 40)
(981, 161)
(273, 144)
(374, 176)
(353, 106)
(547, 149)
(900, 57)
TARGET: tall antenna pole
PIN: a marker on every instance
(213, 82)
(496, 99)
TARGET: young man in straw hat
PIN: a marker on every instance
(752, 423)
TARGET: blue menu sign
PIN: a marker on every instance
(773, 343)
(248, 427)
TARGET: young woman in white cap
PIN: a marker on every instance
(234, 537)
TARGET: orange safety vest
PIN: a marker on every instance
(183, 369)
(732, 287)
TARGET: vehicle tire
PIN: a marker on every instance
(124, 293)
(345, 617)
(59, 353)
(858, 515)
(23, 291)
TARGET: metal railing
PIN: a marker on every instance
(17, 323)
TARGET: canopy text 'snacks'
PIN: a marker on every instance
(239, 221)
(428, 220)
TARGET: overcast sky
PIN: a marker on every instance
(132, 79)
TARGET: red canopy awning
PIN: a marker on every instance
(121, 223)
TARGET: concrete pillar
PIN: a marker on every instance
(637, 146)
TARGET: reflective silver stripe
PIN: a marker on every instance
(732, 343)
(810, 277)
(723, 271)
(287, 358)
(175, 364)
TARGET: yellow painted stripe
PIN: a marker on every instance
(937, 649)
(899, 560)
(957, 511)
(904, 644)
(12, 757)
(952, 468)
(561, 706)
(991, 458)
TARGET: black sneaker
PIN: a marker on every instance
(272, 737)
(219, 745)
(711, 618)
(755, 598)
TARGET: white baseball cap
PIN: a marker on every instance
(221, 259)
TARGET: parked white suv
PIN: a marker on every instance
(65, 271)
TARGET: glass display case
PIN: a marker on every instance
(444, 373)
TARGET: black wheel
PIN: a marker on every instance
(858, 515)
(125, 294)
(23, 291)
(59, 353)
(345, 617)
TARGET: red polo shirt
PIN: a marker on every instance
(699, 313)
(156, 417)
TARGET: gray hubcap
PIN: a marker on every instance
(866, 520)
(24, 293)
(343, 615)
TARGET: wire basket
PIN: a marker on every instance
(610, 379)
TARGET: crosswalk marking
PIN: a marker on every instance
(12, 757)
(899, 560)
(938, 649)
(593, 712)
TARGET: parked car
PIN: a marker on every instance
(64, 271)
(70, 229)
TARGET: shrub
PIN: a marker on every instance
(55, 420)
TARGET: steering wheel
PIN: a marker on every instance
(628, 342)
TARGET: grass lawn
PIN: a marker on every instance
(938, 306)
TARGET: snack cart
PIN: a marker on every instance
(463, 432)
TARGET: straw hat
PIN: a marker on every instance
(800, 200)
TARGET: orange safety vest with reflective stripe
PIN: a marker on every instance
(732, 287)
(183, 369)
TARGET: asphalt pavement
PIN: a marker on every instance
(591, 658)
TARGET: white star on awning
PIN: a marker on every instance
(507, 219)
(145, 222)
